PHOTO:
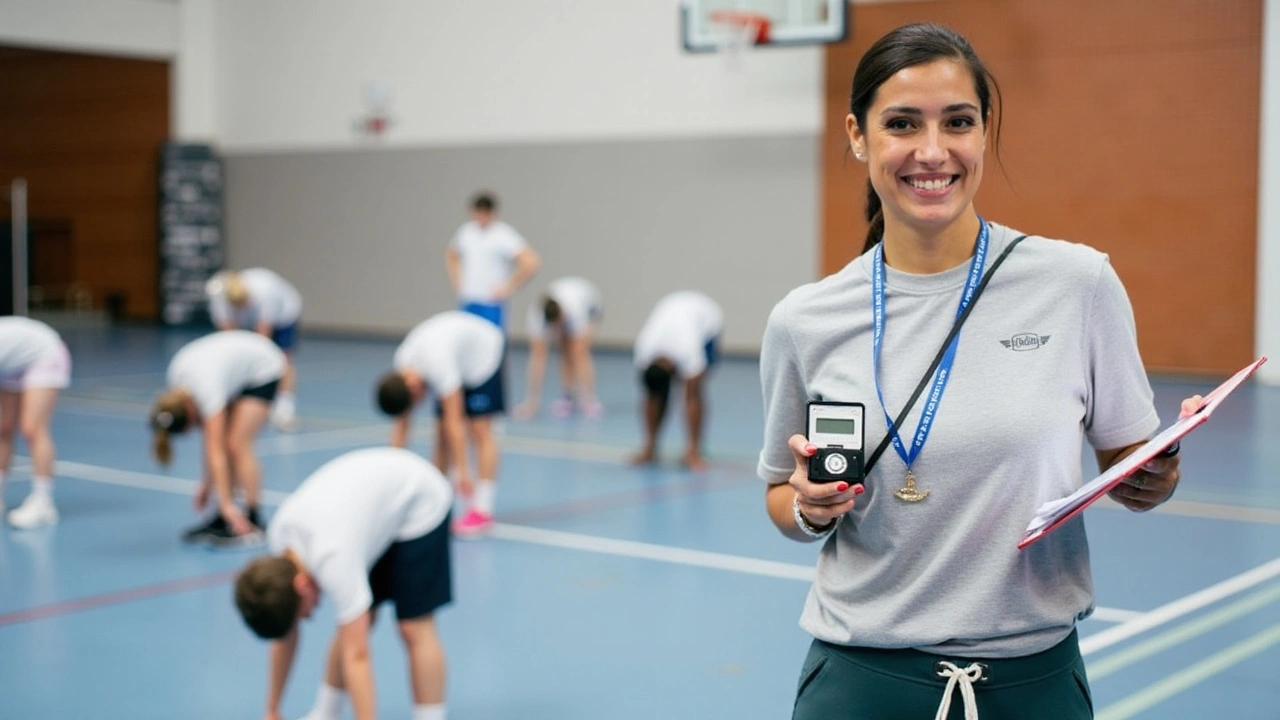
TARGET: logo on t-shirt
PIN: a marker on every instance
(1025, 341)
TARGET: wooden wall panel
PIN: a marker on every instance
(1130, 125)
(85, 131)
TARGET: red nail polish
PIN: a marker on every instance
(842, 487)
(810, 449)
(859, 489)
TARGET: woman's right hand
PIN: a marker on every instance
(820, 503)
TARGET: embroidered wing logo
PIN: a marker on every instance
(1025, 341)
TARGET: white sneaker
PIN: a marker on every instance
(35, 511)
(284, 421)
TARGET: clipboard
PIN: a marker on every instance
(1055, 512)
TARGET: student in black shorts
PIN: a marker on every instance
(224, 384)
(458, 357)
(367, 527)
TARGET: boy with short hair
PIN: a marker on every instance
(458, 357)
(366, 527)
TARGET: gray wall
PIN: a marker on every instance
(362, 233)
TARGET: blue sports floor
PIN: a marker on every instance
(606, 591)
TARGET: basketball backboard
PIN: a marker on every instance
(714, 25)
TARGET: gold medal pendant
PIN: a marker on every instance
(910, 493)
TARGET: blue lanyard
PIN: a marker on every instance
(944, 369)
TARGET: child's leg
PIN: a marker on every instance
(426, 660)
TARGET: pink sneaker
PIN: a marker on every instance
(594, 410)
(473, 523)
(562, 408)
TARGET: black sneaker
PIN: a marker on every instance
(200, 534)
(256, 518)
(226, 539)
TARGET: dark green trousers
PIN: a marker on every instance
(848, 683)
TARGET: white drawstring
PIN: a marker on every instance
(965, 679)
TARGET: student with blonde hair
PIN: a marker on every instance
(258, 299)
(34, 366)
(223, 383)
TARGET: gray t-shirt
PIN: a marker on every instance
(1047, 358)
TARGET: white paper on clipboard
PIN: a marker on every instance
(1055, 512)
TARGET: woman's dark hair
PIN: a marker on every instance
(484, 202)
(908, 46)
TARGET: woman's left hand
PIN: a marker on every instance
(1154, 482)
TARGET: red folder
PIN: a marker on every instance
(1054, 513)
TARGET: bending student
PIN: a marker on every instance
(260, 300)
(567, 314)
(678, 341)
(458, 357)
(34, 366)
(222, 383)
(365, 528)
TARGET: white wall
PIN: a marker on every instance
(137, 28)
(290, 74)
(192, 88)
(1267, 337)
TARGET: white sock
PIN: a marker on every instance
(42, 486)
(483, 498)
(428, 712)
(328, 703)
(284, 404)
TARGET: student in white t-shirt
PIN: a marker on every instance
(679, 340)
(458, 357)
(34, 366)
(568, 313)
(367, 527)
(260, 300)
(223, 383)
(488, 261)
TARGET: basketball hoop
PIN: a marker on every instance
(737, 30)
(374, 122)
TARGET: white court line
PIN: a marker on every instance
(648, 551)
(146, 481)
(596, 452)
(1193, 629)
(515, 533)
(284, 444)
(1187, 677)
(1113, 615)
(1139, 622)
(1172, 611)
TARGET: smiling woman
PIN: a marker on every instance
(920, 587)
(919, 118)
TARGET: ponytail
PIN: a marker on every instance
(875, 216)
(162, 448)
(168, 416)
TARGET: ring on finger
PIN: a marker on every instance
(1139, 482)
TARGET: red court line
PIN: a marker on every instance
(115, 598)
(695, 486)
